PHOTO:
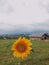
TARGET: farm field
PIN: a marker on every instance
(40, 56)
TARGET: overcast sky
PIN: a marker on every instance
(24, 15)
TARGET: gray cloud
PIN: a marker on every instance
(44, 26)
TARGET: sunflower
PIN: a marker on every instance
(21, 47)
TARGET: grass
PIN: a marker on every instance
(40, 56)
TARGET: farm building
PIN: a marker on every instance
(35, 37)
(45, 36)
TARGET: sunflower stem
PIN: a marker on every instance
(18, 61)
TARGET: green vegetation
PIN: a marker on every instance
(40, 56)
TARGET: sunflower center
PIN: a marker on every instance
(21, 47)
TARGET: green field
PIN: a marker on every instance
(40, 56)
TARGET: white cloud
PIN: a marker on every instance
(28, 15)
